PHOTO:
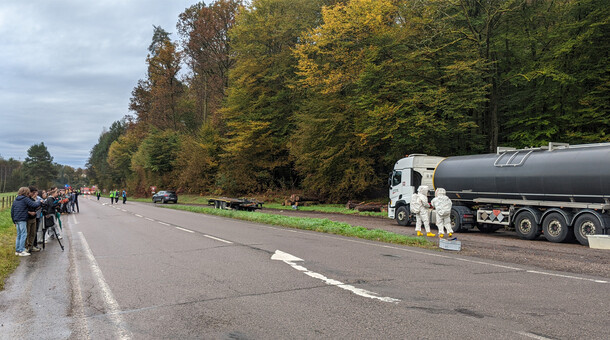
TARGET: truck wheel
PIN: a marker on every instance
(555, 227)
(456, 223)
(488, 228)
(526, 226)
(402, 216)
(586, 224)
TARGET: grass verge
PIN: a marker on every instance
(327, 208)
(315, 224)
(8, 232)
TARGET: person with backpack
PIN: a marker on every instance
(111, 196)
(124, 194)
(116, 196)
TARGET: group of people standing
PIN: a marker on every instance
(114, 196)
(421, 208)
(34, 213)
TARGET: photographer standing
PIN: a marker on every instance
(49, 214)
(30, 244)
(19, 215)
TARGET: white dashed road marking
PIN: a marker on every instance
(218, 239)
(188, 231)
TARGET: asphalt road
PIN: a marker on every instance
(137, 271)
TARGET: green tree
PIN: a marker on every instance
(555, 62)
(154, 160)
(260, 104)
(38, 166)
(384, 78)
(98, 169)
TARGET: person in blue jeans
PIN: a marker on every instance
(19, 214)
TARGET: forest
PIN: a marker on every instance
(323, 96)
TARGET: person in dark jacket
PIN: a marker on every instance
(76, 194)
(30, 241)
(19, 215)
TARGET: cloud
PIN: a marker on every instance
(67, 68)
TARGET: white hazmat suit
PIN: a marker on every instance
(442, 206)
(419, 207)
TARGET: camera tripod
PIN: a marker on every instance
(44, 232)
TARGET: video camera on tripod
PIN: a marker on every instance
(48, 222)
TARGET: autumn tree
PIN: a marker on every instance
(98, 169)
(207, 50)
(260, 103)
(383, 79)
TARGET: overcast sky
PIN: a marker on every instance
(67, 68)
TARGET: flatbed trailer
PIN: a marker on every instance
(228, 203)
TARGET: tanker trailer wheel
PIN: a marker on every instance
(555, 228)
(586, 224)
(456, 223)
(526, 226)
(402, 215)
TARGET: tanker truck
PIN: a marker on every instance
(561, 191)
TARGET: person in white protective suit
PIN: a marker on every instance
(419, 207)
(442, 206)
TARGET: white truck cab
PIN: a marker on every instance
(409, 173)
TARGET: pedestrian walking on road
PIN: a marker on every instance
(116, 196)
(98, 193)
(76, 194)
(19, 215)
(124, 194)
(111, 196)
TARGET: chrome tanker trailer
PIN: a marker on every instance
(561, 191)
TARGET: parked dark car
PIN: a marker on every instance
(165, 196)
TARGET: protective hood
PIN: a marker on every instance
(423, 190)
(440, 192)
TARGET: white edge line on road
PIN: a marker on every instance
(77, 296)
(111, 304)
(188, 231)
(150, 219)
(137, 215)
(290, 259)
(163, 223)
(218, 239)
